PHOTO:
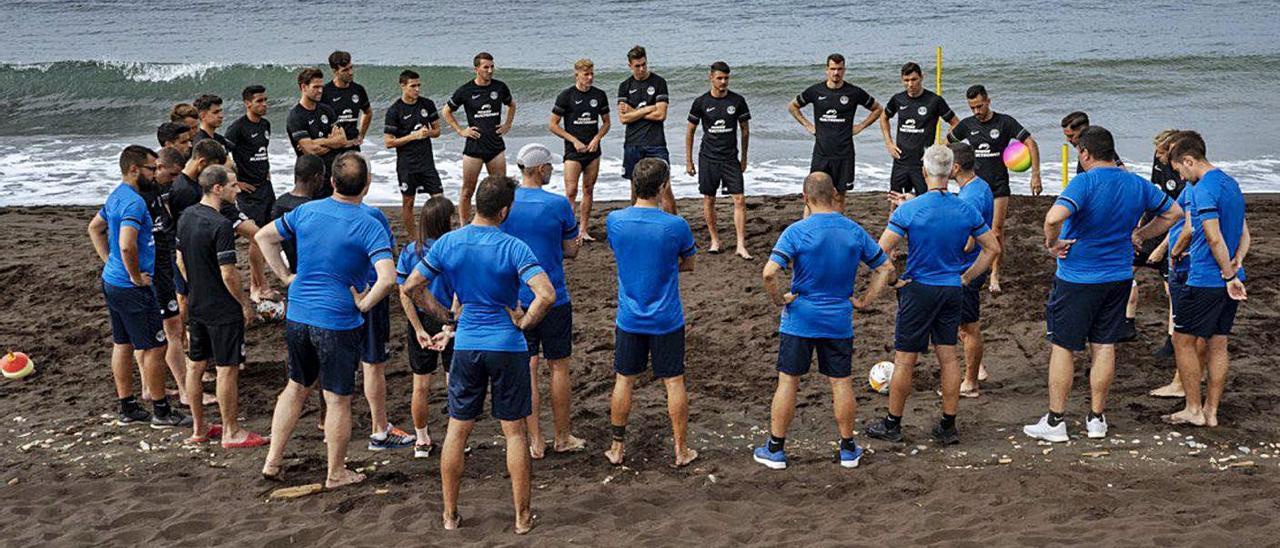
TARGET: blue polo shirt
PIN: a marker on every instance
(1106, 204)
(543, 221)
(337, 242)
(410, 256)
(1216, 196)
(647, 245)
(377, 215)
(126, 207)
(977, 193)
(486, 268)
(937, 226)
(824, 251)
(1175, 231)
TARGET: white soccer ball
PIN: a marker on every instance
(270, 311)
(879, 376)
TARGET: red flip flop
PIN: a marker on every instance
(215, 432)
(252, 440)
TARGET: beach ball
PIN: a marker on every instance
(879, 376)
(16, 365)
(1017, 157)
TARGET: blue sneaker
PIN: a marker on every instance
(776, 460)
(393, 438)
(849, 459)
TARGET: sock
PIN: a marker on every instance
(619, 432)
(848, 444)
(776, 444)
(423, 435)
(948, 421)
(161, 407)
(1055, 418)
(127, 403)
(1093, 416)
(380, 436)
(893, 421)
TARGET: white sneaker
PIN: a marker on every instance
(1042, 430)
(1097, 427)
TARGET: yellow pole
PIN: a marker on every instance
(1065, 158)
(938, 90)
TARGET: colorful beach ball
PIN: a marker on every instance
(1017, 157)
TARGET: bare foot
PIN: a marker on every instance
(1185, 417)
(587, 237)
(968, 390)
(208, 376)
(452, 523)
(982, 373)
(994, 286)
(714, 249)
(209, 399)
(742, 252)
(1211, 418)
(1171, 390)
(344, 477)
(683, 458)
(570, 445)
(615, 453)
(272, 472)
(523, 526)
(537, 448)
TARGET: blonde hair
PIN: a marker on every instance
(1164, 136)
(583, 65)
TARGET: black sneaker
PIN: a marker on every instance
(881, 431)
(1129, 331)
(133, 415)
(174, 418)
(1165, 351)
(946, 436)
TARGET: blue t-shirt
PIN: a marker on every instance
(126, 207)
(825, 250)
(1106, 204)
(937, 225)
(1175, 231)
(647, 245)
(977, 193)
(486, 269)
(377, 215)
(543, 221)
(336, 244)
(1216, 196)
(410, 256)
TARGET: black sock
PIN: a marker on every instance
(619, 432)
(161, 407)
(128, 403)
(892, 421)
(948, 421)
(1055, 418)
(848, 444)
(776, 444)
(1093, 415)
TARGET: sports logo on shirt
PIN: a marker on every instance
(493, 95)
(595, 103)
(404, 187)
(160, 336)
(844, 99)
(173, 305)
(732, 109)
(1170, 184)
(995, 133)
(324, 118)
(355, 98)
(423, 112)
(651, 90)
(921, 111)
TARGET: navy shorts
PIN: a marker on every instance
(1177, 283)
(553, 336)
(475, 372)
(905, 178)
(179, 282)
(927, 313)
(135, 316)
(1204, 311)
(328, 355)
(714, 174)
(633, 154)
(841, 171)
(223, 344)
(162, 284)
(377, 333)
(632, 353)
(1086, 313)
(425, 361)
(971, 303)
(427, 182)
(835, 356)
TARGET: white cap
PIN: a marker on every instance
(534, 154)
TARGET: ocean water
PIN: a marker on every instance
(78, 81)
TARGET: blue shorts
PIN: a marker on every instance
(1086, 313)
(927, 313)
(1177, 283)
(1204, 311)
(631, 155)
(971, 303)
(135, 316)
(179, 281)
(328, 355)
(553, 336)
(835, 356)
(474, 372)
(377, 333)
(632, 352)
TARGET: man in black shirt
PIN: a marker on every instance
(249, 137)
(210, 114)
(308, 175)
(918, 111)
(989, 132)
(834, 104)
(721, 113)
(482, 98)
(217, 311)
(1072, 125)
(312, 125)
(177, 136)
(643, 100)
(348, 100)
(411, 123)
(585, 111)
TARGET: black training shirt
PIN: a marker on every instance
(988, 140)
(285, 203)
(248, 142)
(403, 119)
(719, 118)
(581, 111)
(638, 94)
(208, 241)
(484, 111)
(347, 103)
(917, 123)
(833, 113)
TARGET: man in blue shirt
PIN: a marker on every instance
(121, 233)
(938, 226)
(486, 269)
(374, 354)
(817, 315)
(651, 248)
(1214, 286)
(545, 222)
(1090, 231)
(337, 241)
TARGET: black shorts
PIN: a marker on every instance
(162, 284)
(257, 205)
(135, 316)
(425, 361)
(632, 352)
(999, 189)
(474, 372)
(1086, 313)
(179, 282)
(553, 336)
(927, 314)
(795, 355)
(327, 355)
(1204, 311)
(224, 344)
(476, 150)
(571, 154)
(971, 301)
(377, 333)
(713, 174)
(1140, 257)
(427, 182)
(1177, 281)
(841, 171)
(905, 178)
(633, 154)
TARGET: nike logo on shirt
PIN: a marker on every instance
(578, 102)
(709, 109)
(407, 116)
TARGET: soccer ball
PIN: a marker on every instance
(270, 311)
(879, 376)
